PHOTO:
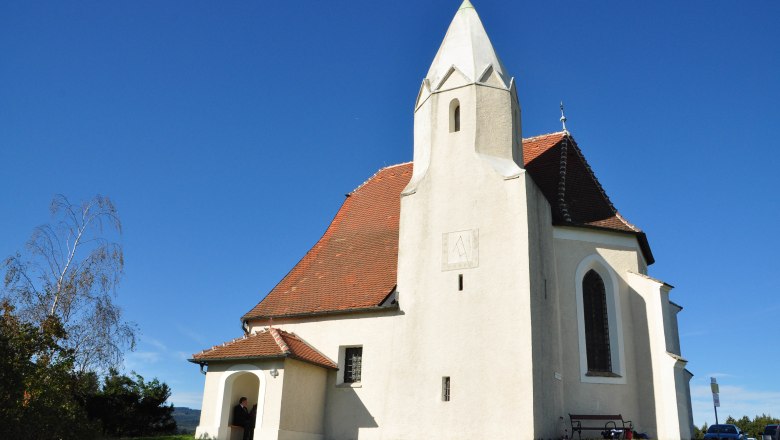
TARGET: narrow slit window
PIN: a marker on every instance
(460, 282)
(445, 389)
(454, 116)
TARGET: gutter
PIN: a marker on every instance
(261, 358)
(371, 309)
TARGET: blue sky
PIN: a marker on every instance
(227, 134)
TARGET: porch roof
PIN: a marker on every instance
(269, 343)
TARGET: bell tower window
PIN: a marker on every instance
(454, 116)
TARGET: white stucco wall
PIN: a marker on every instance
(669, 382)
(546, 337)
(226, 382)
(652, 389)
(350, 411)
(672, 328)
(303, 401)
(465, 195)
(612, 254)
(509, 342)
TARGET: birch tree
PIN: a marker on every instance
(70, 270)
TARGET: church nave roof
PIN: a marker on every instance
(353, 267)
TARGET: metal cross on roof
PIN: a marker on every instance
(563, 119)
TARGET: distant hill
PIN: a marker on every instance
(187, 419)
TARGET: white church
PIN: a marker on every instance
(487, 290)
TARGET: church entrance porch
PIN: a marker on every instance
(238, 385)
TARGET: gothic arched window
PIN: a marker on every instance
(594, 300)
(454, 116)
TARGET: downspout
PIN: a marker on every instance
(203, 364)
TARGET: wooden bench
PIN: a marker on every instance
(611, 422)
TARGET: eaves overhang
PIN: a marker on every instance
(318, 313)
(258, 358)
(641, 237)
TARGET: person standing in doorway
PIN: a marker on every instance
(253, 419)
(241, 418)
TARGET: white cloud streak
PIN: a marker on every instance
(735, 401)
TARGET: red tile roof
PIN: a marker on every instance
(559, 168)
(270, 343)
(354, 265)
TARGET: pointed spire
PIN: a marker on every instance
(563, 119)
(466, 47)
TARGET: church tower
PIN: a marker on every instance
(474, 270)
(467, 98)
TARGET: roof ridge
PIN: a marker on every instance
(375, 174)
(279, 340)
(396, 165)
(533, 138)
(627, 223)
(562, 173)
(592, 175)
(310, 256)
(226, 343)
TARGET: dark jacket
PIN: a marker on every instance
(240, 416)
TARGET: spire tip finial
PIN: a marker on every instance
(563, 119)
(466, 4)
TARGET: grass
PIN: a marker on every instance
(165, 437)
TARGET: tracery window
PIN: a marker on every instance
(594, 298)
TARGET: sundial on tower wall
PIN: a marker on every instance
(460, 249)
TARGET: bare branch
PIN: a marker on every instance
(72, 274)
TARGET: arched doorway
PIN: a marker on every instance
(241, 381)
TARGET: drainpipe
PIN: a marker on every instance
(245, 327)
(202, 364)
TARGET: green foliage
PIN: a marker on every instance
(753, 428)
(43, 397)
(698, 433)
(60, 328)
(39, 393)
(165, 437)
(131, 406)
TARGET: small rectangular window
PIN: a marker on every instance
(353, 364)
(445, 389)
(460, 282)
